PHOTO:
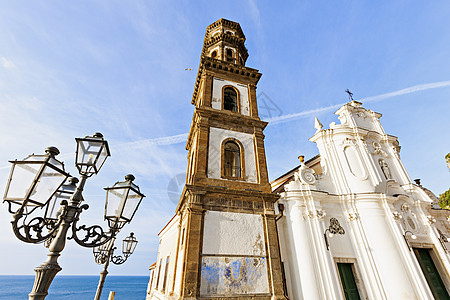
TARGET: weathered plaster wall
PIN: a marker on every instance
(233, 276)
(216, 101)
(216, 137)
(233, 233)
(233, 259)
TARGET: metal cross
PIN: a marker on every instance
(350, 94)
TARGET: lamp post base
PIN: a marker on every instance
(44, 277)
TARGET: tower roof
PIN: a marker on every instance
(226, 23)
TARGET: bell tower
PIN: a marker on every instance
(228, 239)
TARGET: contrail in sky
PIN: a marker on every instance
(412, 89)
(175, 139)
(180, 138)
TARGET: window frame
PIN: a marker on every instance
(229, 58)
(159, 273)
(242, 159)
(238, 98)
(166, 271)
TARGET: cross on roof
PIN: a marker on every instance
(350, 94)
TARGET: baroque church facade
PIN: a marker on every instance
(346, 224)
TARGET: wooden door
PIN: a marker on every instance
(348, 281)
(431, 274)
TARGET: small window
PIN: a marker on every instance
(232, 160)
(230, 99)
(229, 53)
(214, 54)
(182, 237)
(159, 273)
(166, 271)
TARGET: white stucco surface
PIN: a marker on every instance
(216, 137)
(216, 101)
(233, 233)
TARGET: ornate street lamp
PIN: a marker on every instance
(334, 228)
(38, 182)
(413, 236)
(105, 253)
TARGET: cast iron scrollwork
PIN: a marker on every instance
(334, 228)
(443, 239)
(92, 236)
(103, 253)
(118, 259)
(31, 229)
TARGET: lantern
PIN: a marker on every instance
(64, 193)
(92, 152)
(122, 201)
(129, 244)
(34, 180)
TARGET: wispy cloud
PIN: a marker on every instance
(7, 64)
(175, 139)
(180, 138)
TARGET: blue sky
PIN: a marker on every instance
(69, 69)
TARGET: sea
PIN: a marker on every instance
(65, 287)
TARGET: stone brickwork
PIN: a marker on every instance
(225, 216)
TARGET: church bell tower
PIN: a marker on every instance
(228, 239)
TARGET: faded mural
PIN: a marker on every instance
(233, 275)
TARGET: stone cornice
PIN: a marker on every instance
(246, 75)
(232, 40)
(223, 117)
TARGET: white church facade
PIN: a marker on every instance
(354, 225)
(346, 224)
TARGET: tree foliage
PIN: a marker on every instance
(444, 199)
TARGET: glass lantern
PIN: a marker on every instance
(122, 201)
(34, 180)
(129, 244)
(64, 193)
(92, 152)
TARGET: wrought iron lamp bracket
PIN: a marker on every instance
(102, 256)
(32, 231)
(92, 236)
(443, 239)
(118, 259)
(334, 228)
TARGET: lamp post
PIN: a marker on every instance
(105, 253)
(37, 182)
(413, 236)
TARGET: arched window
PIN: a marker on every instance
(230, 99)
(232, 160)
(229, 53)
(214, 54)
